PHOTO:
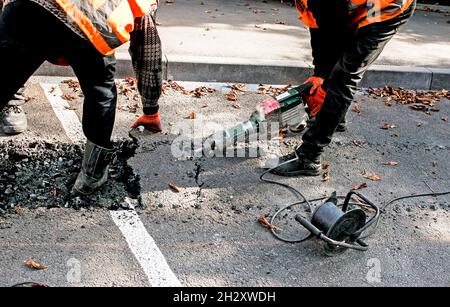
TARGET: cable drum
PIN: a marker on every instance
(340, 226)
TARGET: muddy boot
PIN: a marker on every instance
(300, 165)
(13, 118)
(94, 170)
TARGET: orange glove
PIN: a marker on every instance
(316, 100)
(150, 122)
(316, 81)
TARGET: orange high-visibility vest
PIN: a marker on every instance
(362, 12)
(106, 23)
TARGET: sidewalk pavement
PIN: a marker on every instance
(258, 41)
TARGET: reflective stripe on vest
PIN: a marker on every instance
(362, 12)
(106, 23)
(365, 12)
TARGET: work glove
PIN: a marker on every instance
(316, 100)
(316, 82)
(150, 122)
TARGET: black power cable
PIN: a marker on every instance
(303, 200)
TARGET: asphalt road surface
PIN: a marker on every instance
(207, 233)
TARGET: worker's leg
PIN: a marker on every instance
(17, 61)
(95, 73)
(346, 76)
(342, 86)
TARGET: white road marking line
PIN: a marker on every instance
(145, 249)
(141, 244)
(67, 117)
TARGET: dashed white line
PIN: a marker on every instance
(141, 244)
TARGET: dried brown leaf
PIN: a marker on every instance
(35, 265)
(236, 105)
(19, 210)
(326, 176)
(282, 134)
(232, 96)
(239, 87)
(174, 187)
(359, 186)
(373, 177)
(391, 163)
(388, 126)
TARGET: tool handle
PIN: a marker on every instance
(304, 88)
(308, 225)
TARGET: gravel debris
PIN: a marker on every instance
(42, 174)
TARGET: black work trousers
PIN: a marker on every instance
(29, 35)
(363, 49)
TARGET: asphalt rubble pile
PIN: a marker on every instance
(42, 174)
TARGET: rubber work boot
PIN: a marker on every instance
(14, 120)
(300, 165)
(94, 170)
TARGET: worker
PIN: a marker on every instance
(347, 36)
(84, 34)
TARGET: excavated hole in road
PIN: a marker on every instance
(41, 174)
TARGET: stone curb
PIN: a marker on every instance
(212, 69)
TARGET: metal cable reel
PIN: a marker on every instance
(340, 229)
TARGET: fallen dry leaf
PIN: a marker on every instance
(391, 163)
(232, 96)
(192, 115)
(19, 210)
(70, 108)
(35, 265)
(174, 187)
(236, 105)
(366, 207)
(388, 126)
(239, 87)
(326, 176)
(273, 91)
(282, 134)
(68, 97)
(423, 101)
(357, 108)
(359, 186)
(373, 177)
(198, 92)
(434, 163)
(263, 221)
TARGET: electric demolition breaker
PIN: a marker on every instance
(289, 110)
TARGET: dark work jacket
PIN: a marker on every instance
(333, 36)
